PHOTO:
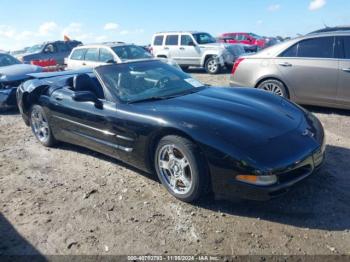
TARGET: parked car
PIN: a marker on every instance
(101, 54)
(244, 38)
(55, 51)
(313, 70)
(193, 49)
(247, 48)
(12, 74)
(152, 116)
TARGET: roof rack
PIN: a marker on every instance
(331, 29)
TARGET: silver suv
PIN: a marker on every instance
(314, 70)
(100, 54)
(195, 49)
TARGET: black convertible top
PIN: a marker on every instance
(61, 73)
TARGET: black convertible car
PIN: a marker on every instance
(241, 142)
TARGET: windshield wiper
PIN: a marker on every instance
(148, 99)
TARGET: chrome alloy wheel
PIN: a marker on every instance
(273, 88)
(40, 125)
(175, 169)
(213, 66)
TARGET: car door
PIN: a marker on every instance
(49, 52)
(106, 56)
(344, 71)
(87, 124)
(62, 52)
(91, 58)
(76, 59)
(310, 70)
(188, 53)
(172, 47)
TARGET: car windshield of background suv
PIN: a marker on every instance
(204, 38)
(6, 60)
(131, 52)
(35, 49)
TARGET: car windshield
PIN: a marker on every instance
(35, 48)
(147, 80)
(256, 36)
(204, 38)
(7, 60)
(131, 52)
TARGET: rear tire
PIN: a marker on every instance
(274, 86)
(41, 127)
(181, 168)
(212, 66)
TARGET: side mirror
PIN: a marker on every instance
(87, 96)
(111, 61)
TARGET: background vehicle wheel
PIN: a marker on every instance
(274, 86)
(180, 168)
(184, 68)
(212, 66)
(40, 126)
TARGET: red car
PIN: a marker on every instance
(243, 38)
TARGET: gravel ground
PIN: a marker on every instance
(69, 200)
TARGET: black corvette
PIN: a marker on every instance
(241, 142)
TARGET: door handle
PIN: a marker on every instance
(182, 48)
(166, 48)
(84, 64)
(346, 70)
(285, 64)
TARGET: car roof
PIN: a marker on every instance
(179, 32)
(105, 44)
(332, 29)
(330, 33)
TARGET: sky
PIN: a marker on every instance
(27, 22)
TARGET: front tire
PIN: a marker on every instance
(274, 86)
(41, 127)
(212, 66)
(180, 168)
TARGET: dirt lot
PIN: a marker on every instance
(70, 200)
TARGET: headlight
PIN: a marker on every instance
(2, 77)
(257, 180)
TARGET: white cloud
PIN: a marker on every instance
(125, 32)
(7, 31)
(274, 8)
(316, 4)
(72, 29)
(111, 26)
(47, 28)
(101, 38)
(25, 35)
(131, 32)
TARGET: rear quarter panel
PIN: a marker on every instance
(252, 71)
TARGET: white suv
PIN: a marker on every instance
(193, 49)
(101, 54)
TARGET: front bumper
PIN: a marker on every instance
(8, 98)
(231, 188)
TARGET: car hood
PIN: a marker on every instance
(18, 72)
(244, 117)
